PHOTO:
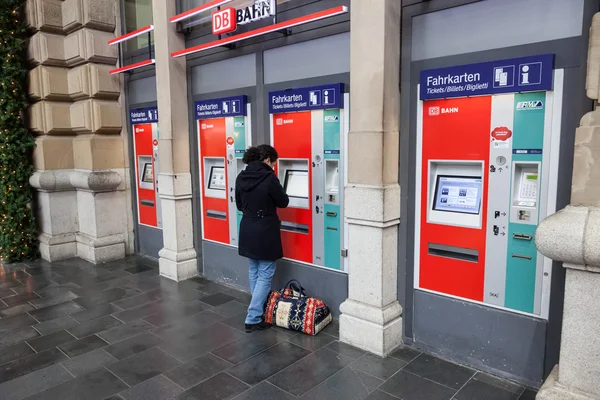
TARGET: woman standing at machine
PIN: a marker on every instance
(258, 194)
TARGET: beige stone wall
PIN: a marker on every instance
(75, 114)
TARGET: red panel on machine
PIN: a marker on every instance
(292, 139)
(455, 129)
(212, 144)
(143, 147)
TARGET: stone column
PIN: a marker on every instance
(178, 256)
(371, 316)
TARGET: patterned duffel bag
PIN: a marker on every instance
(292, 309)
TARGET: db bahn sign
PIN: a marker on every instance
(228, 19)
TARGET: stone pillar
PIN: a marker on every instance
(371, 316)
(178, 256)
(76, 117)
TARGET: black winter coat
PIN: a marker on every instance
(258, 194)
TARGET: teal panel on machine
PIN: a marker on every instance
(521, 265)
(331, 147)
(239, 132)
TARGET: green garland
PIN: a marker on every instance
(17, 225)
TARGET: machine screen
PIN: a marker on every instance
(296, 183)
(216, 180)
(461, 194)
(147, 173)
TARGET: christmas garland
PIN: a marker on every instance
(17, 226)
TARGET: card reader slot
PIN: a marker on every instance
(520, 236)
(293, 227)
(521, 257)
(148, 203)
(458, 253)
(216, 214)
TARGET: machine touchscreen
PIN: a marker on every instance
(216, 179)
(459, 194)
(147, 173)
(296, 183)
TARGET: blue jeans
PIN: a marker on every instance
(261, 273)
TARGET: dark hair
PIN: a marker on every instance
(260, 153)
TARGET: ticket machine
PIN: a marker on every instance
(144, 124)
(486, 176)
(308, 131)
(224, 134)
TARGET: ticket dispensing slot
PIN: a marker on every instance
(458, 253)
(293, 175)
(215, 183)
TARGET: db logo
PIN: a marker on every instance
(138, 130)
(434, 111)
(501, 133)
(203, 126)
(155, 142)
(279, 121)
(230, 141)
(224, 21)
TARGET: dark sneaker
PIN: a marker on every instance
(261, 326)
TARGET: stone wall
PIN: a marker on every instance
(81, 177)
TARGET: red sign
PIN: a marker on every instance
(155, 142)
(230, 141)
(224, 21)
(501, 133)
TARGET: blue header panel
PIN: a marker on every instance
(143, 115)
(223, 107)
(307, 98)
(527, 74)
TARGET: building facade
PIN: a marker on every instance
(421, 143)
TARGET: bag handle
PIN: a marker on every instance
(294, 285)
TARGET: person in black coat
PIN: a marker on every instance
(258, 194)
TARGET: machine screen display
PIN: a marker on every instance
(147, 173)
(461, 194)
(216, 180)
(296, 183)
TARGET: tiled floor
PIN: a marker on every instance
(69, 330)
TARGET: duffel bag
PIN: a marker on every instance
(292, 309)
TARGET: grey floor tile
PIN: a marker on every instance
(307, 373)
(268, 363)
(368, 381)
(16, 322)
(16, 336)
(475, 390)
(94, 326)
(6, 293)
(499, 382)
(412, 387)
(52, 340)
(20, 299)
(265, 391)
(16, 310)
(186, 348)
(311, 343)
(55, 311)
(219, 387)
(528, 394)
(250, 345)
(196, 371)
(189, 326)
(440, 371)
(143, 366)
(241, 296)
(88, 362)
(34, 382)
(125, 331)
(230, 309)
(48, 327)
(96, 385)
(82, 346)
(133, 345)
(157, 388)
(57, 290)
(378, 367)
(14, 352)
(345, 384)
(140, 299)
(28, 364)
(99, 311)
(94, 299)
(345, 349)
(53, 300)
(174, 312)
(379, 395)
(217, 299)
(333, 329)
(237, 322)
(405, 354)
(136, 269)
(141, 311)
